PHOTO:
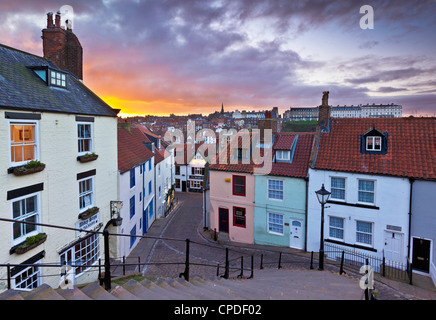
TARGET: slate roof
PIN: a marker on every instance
(161, 154)
(411, 149)
(22, 89)
(131, 148)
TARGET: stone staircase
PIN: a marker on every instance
(268, 284)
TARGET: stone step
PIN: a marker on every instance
(97, 292)
(43, 292)
(72, 294)
(144, 292)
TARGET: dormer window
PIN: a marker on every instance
(283, 155)
(58, 79)
(51, 77)
(373, 143)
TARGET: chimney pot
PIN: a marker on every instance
(58, 19)
(49, 19)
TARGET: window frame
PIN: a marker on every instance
(94, 240)
(132, 178)
(244, 217)
(92, 192)
(365, 233)
(36, 144)
(36, 213)
(282, 191)
(34, 284)
(132, 206)
(58, 80)
(337, 228)
(91, 139)
(281, 153)
(239, 185)
(275, 223)
(365, 191)
(373, 139)
(337, 188)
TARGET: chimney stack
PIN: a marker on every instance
(324, 110)
(62, 46)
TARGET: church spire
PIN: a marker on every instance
(222, 108)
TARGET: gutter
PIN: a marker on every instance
(306, 205)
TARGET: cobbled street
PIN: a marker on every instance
(165, 257)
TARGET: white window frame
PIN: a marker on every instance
(37, 146)
(195, 184)
(34, 284)
(268, 190)
(269, 223)
(344, 189)
(60, 79)
(22, 225)
(283, 155)
(94, 240)
(91, 144)
(337, 228)
(373, 139)
(373, 192)
(92, 192)
(371, 234)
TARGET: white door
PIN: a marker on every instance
(296, 234)
(393, 246)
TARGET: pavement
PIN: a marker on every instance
(165, 242)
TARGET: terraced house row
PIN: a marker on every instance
(68, 162)
(381, 174)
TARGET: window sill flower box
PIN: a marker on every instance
(31, 242)
(88, 213)
(32, 167)
(87, 157)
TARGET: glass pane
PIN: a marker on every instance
(31, 204)
(239, 180)
(239, 189)
(338, 183)
(365, 185)
(16, 209)
(30, 227)
(16, 230)
(366, 197)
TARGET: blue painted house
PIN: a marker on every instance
(281, 196)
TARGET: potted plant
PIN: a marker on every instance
(31, 242)
(31, 167)
(88, 213)
(87, 157)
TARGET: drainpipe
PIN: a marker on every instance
(411, 180)
(305, 220)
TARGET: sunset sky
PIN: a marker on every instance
(190, 56)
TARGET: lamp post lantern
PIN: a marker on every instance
(323, 195)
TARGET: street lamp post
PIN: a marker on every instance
(323, 195)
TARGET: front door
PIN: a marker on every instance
(296, 234)
(223, 220)
(393, 246)
(145, 221)
(421, 255)
(183, 186)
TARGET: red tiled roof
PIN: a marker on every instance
(300, 162)
(298, 168)
(411, 147)
(283, 141)
(131, 150)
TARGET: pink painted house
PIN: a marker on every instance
(232, 196)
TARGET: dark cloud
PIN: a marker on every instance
(198, 53)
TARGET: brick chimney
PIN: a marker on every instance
(324, 111)
(61, 46)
